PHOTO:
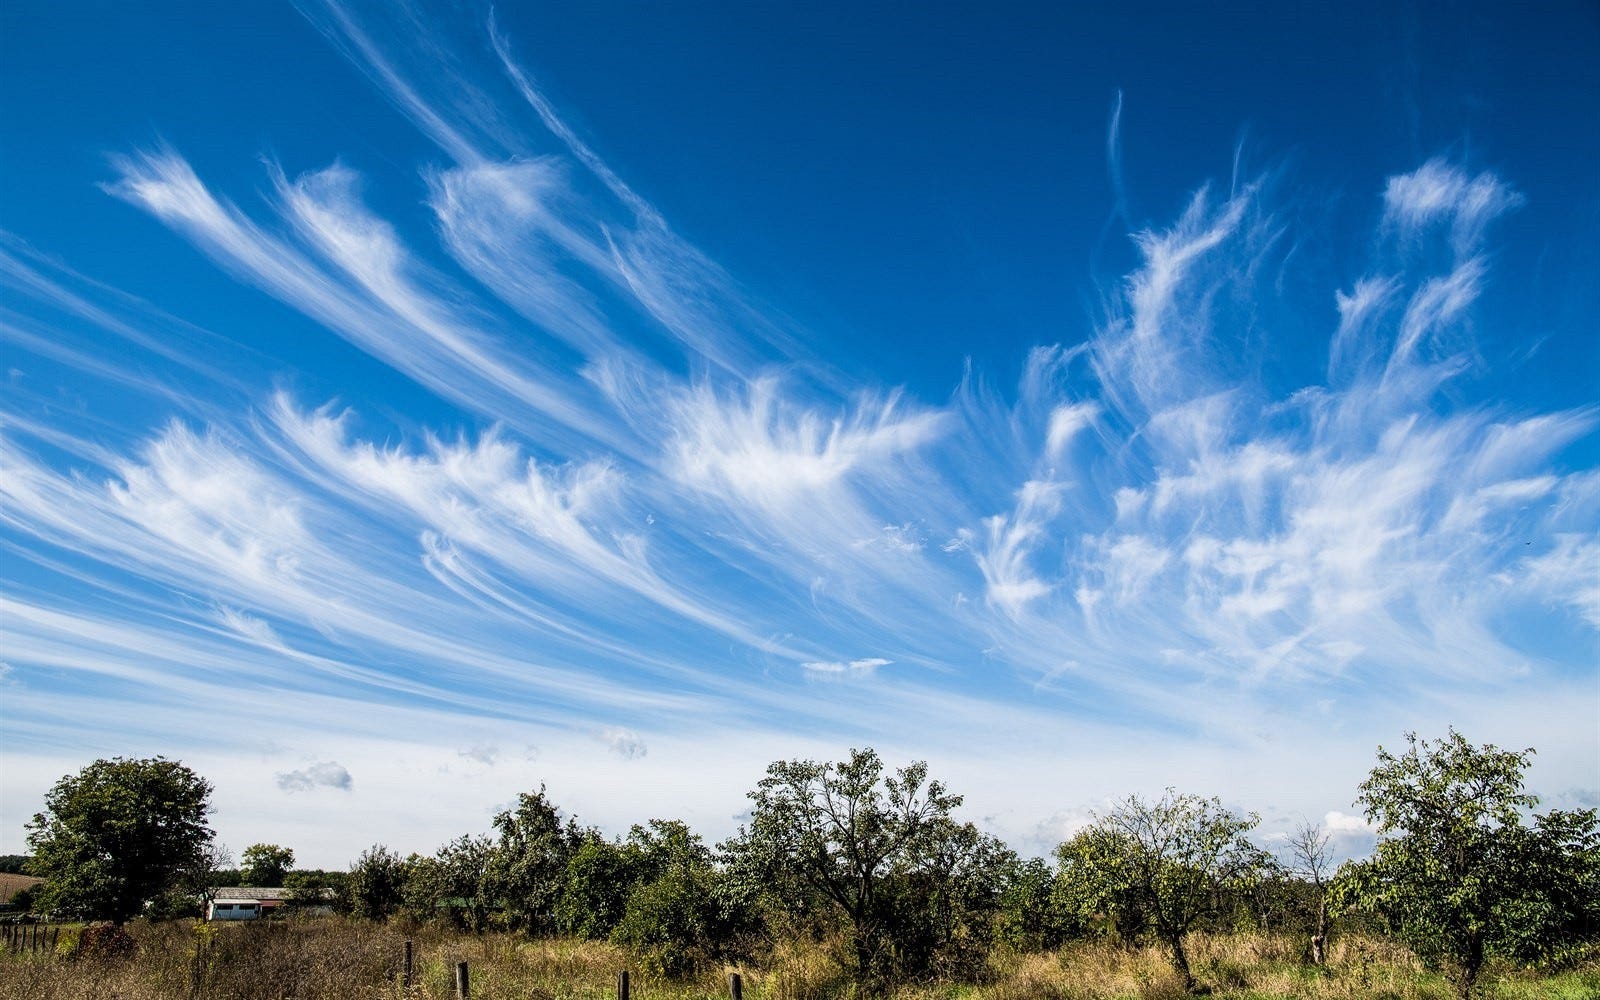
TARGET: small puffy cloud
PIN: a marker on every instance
(625, 743)
(1062, 826)
(485, 754)
(323, 774)
(1338, 822)
(848, 668)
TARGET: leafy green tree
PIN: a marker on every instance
(1162, 865)
(527, 866)
(1457, 871)
(943, 903)
(1031, 916)
(452, 883)
(844, 838)
(314, 887)
(375, 887)
(683, 912)
(1094, 888)
(119, 833)
(265, 865)
(600, 875)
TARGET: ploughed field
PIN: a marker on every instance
(343, 959)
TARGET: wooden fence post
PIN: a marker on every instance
(405, 968)
(55, 937)
(622, 985)
(463, 984)
(735, 986)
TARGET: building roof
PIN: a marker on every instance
(236, 893)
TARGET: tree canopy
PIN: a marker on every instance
(1161, 864)
(863, 845)
(265, 864)
(1457, 871)
(119, 833)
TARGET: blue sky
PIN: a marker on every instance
(407, 405)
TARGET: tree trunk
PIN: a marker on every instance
(1319, 940)
(1180, 961)
(1471, 963)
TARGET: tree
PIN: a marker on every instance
(1031, 915)
(453, 882)
(527, 867)
(679, 916)
(1308, 849)
(119, 833)
(196, 886)
(600, 875)
(1457, 872)
(843, 838)
(312, 888)
(265, 864)
(375, 887)
(1162, 865)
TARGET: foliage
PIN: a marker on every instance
(314, 888)
(1457, 873)
(14, 864)
(880, 854)
(105, 942)
(683, 913)
(265, 865)
(526, 869)
(119, 833)
(451, 883)
(1162, 865)
(1031, 916)
(600, 875)
(375, 887)
(943, 903)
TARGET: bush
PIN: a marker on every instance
(105, 942)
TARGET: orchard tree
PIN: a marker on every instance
(375, 887)
(119, 833)
(848, 840)
(453, 883)
(526, 868)
(1162, 865)
(682, 913)
(1312, 861)
(1458, 872)
(265, 864)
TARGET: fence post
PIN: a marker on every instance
(55, 937)
(463, 985)
(622, 985)
(735, 986)
(405, 967)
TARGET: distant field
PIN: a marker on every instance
(337, 959)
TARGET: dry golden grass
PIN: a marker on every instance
(333, 959)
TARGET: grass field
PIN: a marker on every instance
(335, 959)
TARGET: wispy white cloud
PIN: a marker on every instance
(863, 667)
